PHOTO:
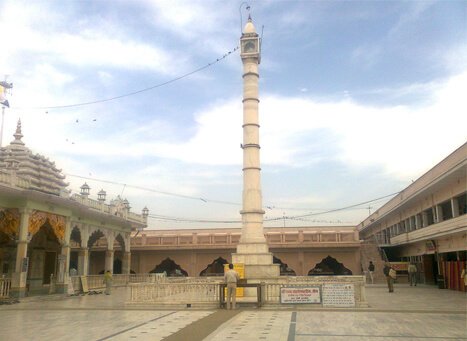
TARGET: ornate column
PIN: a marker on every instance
(109, 260)
(18, 286)
(109, 253)
(83, 261)
(126, 263)
(64, 259)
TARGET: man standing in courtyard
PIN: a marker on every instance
(231, 277)
(412, 270)
(390, 274)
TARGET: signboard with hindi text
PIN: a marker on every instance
(338, 295)
(300, 295)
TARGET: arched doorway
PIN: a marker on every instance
(329, 267)
(119, 249)
(43, 251)
(75, 245)
(216, 268)
(284, 268)
(97, 245)
(171, 268)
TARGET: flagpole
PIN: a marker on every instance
(4, 88)
(1, 128)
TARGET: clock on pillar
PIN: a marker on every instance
(250, 42)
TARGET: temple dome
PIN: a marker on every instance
(40, 174)
(249, 27)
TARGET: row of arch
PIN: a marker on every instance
(328, 266)
(88, 237)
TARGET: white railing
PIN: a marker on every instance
(198, 290)
(95, 282)
(5, 286)
(175, 293)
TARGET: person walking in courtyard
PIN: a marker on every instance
(464, 275)
(390, 274)
(412, 270)
(371, 271)
(231, 277)
(108, 282)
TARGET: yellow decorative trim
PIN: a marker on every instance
(9, 222)
(39, 218)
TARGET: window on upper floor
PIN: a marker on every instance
(462, 203)
(429, 216)
(412, 223)
(446, 210)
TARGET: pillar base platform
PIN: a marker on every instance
(257, 260)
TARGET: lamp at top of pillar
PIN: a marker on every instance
(85, 190)
(101, 195)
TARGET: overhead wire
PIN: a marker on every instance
(136, 91)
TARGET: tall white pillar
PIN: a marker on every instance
(252, 250)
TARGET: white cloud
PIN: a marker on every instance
(104, 44)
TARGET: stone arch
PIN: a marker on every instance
(216, 268)
(94, 237)
(75, 237)
(43, 250)
(171, 268)
(76, 241)
(285, 270)
(119, 249)
(97, 245)
(121, 242)
(329, 266)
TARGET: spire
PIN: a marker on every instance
(18, 134)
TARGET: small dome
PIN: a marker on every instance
(249, 27)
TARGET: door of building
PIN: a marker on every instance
(49, 266)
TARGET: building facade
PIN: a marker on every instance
(202, 252)
(45, 231)
(426, 223)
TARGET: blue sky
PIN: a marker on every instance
(357, 100)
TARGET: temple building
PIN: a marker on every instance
(45, 231)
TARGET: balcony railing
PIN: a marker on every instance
(166, 240)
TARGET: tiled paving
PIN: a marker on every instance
(262, 325)
(421, 313)
(355, 326)
(160, 328)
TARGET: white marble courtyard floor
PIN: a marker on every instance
(411, 313)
